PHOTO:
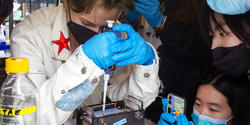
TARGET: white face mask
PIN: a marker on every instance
(200, 119)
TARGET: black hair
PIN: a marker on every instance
(187, 11)
(238, 24)
(237, 92)
(6, 7)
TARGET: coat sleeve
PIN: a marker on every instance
(24, 43)
(143, 84)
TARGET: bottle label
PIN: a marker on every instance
(14, 112)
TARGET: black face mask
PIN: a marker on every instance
(80, 33)
(233, 60)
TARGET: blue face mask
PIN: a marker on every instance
(200, 119)
(230, 7)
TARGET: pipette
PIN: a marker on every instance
(106, 79)
(107, 72)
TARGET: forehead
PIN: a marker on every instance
(101, 14)
(208, 94)
(98, 16)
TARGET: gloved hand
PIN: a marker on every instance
(132, 15)
(168, 119)
(98, 49)
(182, 120)
(150, 9)
(230, 7)
(132, 50)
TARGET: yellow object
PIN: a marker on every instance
(177, 113)
(17, 65)
(14, 112)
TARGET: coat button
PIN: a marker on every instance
(95, 80)
(63, 91)
(83, 71)
(146, 75)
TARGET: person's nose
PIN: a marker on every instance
(204, 111)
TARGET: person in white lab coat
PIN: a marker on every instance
(67, 57)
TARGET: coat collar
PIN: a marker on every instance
(59, 26)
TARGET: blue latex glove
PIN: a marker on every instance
(98, 49)
(150, 9)
(182, 120)
(132, 15)
(230, 7)
(166, 119)
(166, 116)
(132, 50)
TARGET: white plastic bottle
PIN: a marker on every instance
(17, 95)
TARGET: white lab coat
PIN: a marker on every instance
(55, 74)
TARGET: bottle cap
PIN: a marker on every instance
(17, 65)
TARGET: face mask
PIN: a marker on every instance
(233, 60)
(230, 7)
(200, 119)
(80, 33)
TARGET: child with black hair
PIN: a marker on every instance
(221, 99)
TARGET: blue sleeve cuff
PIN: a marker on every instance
(74, 97)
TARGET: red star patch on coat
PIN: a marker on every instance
(62, 43)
